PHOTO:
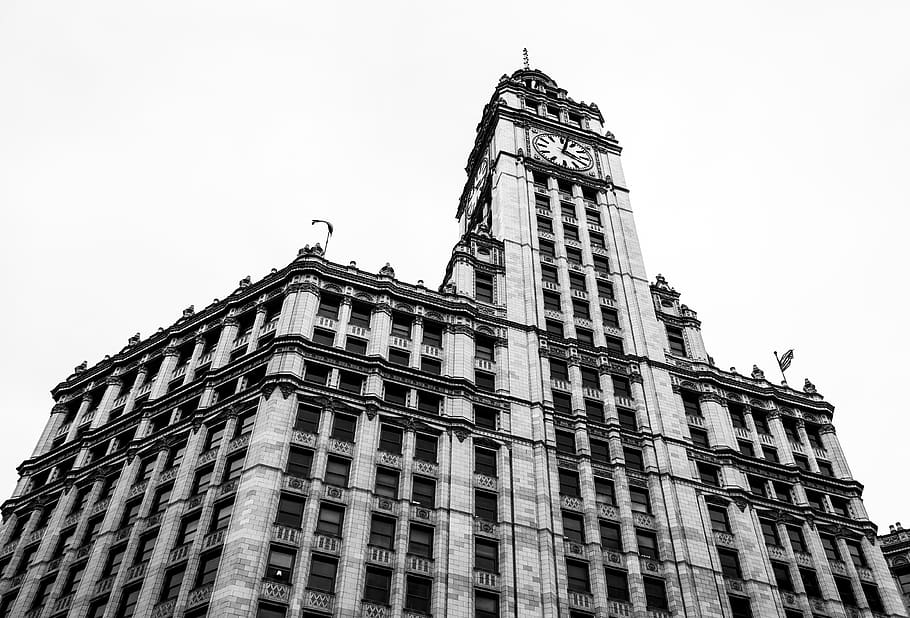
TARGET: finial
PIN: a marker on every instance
(524, 55)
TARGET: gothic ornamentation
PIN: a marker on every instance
(372, 409)
(809, 388)
(757, 374)
(387, 271)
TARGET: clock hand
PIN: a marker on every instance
(565, 146)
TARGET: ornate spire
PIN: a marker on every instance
(524, 56)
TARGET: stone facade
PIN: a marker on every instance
(896, 548)
(543, 436)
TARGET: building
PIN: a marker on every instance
(896, 548)
(543, 436)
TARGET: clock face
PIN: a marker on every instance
(563, 151)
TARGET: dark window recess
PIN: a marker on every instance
(647, 545)
(485, 380)
(610, 536)
(485, 506)
(483, 287)
(810, 582)
(426, 447)
(769, 532)
(571, 232)
(486, 556)
(208, 569)
(547, 249)
(699, 437)
(420, 541)
(604, 490)
(578, 576)
(845, 590)
(399, 357)
(621, 387)
(360, 314)
(737, 415)
(627, 419)
(562, 403)
(377, 585)
(290, 511)
(770, 454)
(825, 468)
(382, 532)
(559, 371)
(592, 217)
(337, 471)
(581, 309)
(758, 486)
(328, 307)
(485, 348)
(485, 461)
(729, 563)
(401, 325)
(783, 492)
(797, 540)
(741, 608)
(173, 579)
(431, 365)
(307, 419)
(573, 255)
(551, 301)
(568, 483)
(720, 520)
(418, 593)
(676, 340)
(386, 483)
(344, 427)
(423, 492)
(221, 516)
(549, 274)
(573, 527)
(390, 439)
(590, 379)
(554, 328)
(597, 240)
(617, 585)
(396, 394)
(782, 576)
(330, 521)
(640, 500)
(600, 452)
(316, 374)
(322, 574)
(565, 443)
(655, 593)
(746, 448)
(634, 458)
(486, 417)
(708, 474)
(323, 337)
(601, 265)
(585, 336)
(594, 410)
(350, 382)
(873, 598)
(355, 345)
(431, 403)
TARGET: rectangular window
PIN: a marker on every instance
(655, 593)
(234, 468)
(485, 380)
(562, 403)
(581, 309)
(570, 232)
(802, 462)
(590, 379)
(337, 471)
(610, 318)
(737, 416)
(382, 532)
(188, 529)
(699, 437)
(322, 574)
(144, 551)
(401, 325)
(485, 348)
(720, 520)
(782, 576)
(573, 255)
(431, 365)
(396, 394)
(432, 334)
(208, 569)
(316, 374)
(825, 468)
(420, 541)
(418, 594)
(131, 513)
(360, 314)
(857, 555)
(350, 382)
(328, 307)
(829, 544)
(770, 454)
(600, 452)
(399, 357)
(840, 506)
(573, 527)
(641, 500)
(483, 287)
(758, 486)
(221, 516)
(604, 490)
(280, 565)
(344, 427)
(425, 447)
(559, 371)
(617, 585)
(377, 585)
(484, 461)
(627, 419)
(610, 536)
(547, 249)
(386, 483)
(584, 336)
(486, 418)
(810, 582)
(173, 579)
(783, 492)
(423, 492)
(390, 439)
(647, 545)
(554, 328)
(486, 556)
(873, 598)
(568, 483)
(323, 336)
(741, 608)
(551, 301)
(290, 511)
(355, 345)
(548, 274)
(213, 437)
(729, 563)
(634, 458)
(431, 403)
(330, 521)
(621, 387)
(769, 532)
(676, 340)
(797, 540)
(597, 240)
(128, 603)
(845, 590)
(565, 443)
(74, 578)
(577, 282)
(300, 462)
(485, 506)
(594, 410)
(307, 419)
(746, 448)
(578, 577)
(592, 217)
(709, 475)
(601, 265)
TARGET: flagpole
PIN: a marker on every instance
(781, 367)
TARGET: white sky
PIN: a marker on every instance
(153, 154)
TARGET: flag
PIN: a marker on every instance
(329, 225)
(785, 360)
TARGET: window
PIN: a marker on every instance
(128, 603)
(845, 590)
(761, 422)
(486, 418)
(173, 579)
(300, 462)
(485, 348)
(485, 506)
(386, 483)
(699, 437)
(350, 382)
(390, 439)
(691, 405)
(316, 374)
(377, 585)
(280, 566)
(360, 314)
(825, 468)
(856, 554)
(208, 568)
(655, 593)
(573, 255)
(323, 337)
(585, 336)
(617, 585)
(554, 328)
(873, 598)
(829, 544)
(601, 265)
(562, 403)
(344, 427)
(382, 532)
(627, 419)
(581, 309)
(144, 551)
(604, 490)
(810, 582)
(577, 282)
(758, 486)
(547, 249)
(565, 443)
(840, 506)
(676, 340)
(610, 536)
(610, 318)
(797, 540)
(600, 451)
(597, 240)
(188, 528)
(337, 471)
(307, 419)
(903, 579)
(592, 217)
(568, 483)
(485, 380)
(578, 576)
(634, 458)
(418, 594)
(741, 607)
(782, 576)
(322, 574)
(548, 274)
(709, 475)
(290, 511)
(594, 410)
(202, 481)
(330, 521)
(234, 468)
(484, 461)
(770, 454)
(746, 448)
(570, 232)
(590, 379)
(401, 325)
(355, 345)
(483, 287)
(720, 520)
(430, 403)
(729, 563)
(73, 579)
(431, 365)
(399, 357)
(486, 605)
(95, 610)
(783, 492)
(486, 556)
(63, 543)
(802, 462)
(420, 541)
(425, 447)
(621, 388)
(144, 473)
(573, 527)
(769, 532)
(737, 416)
(605, 290)
(396, 394)
(647, 545)
(641, 500)
(328, 307)
(423, 492)
(221, 516)
(162, 498)
(551, 301)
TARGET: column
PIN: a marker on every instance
(258, 321)
(804, 438)
(193, 362)
(462, 352)
(832, 445)
(380, 330)
(780, 437)
(83, 408)
(753, 431)
(141, 376)
(55, 424)
(344, 318)
(416, 341)
(718, 425)
(222, 355)
(114, 386)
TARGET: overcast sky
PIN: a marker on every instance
(153, 154)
